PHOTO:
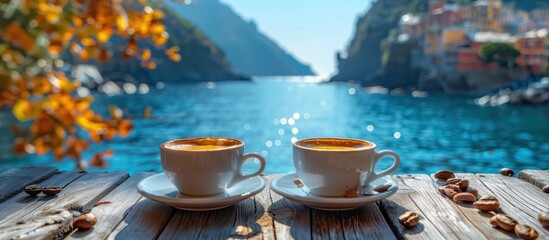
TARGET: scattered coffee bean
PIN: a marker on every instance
(441, 189)
(545, 189)
(461, 183)
(351, 193)
(85, 221)
(506, 172)
(471, 190)
(52, 190)
(493, 221)
(506, 222)
(409, 219)
(487, 203)
(298, 183)
(383, 187)
(33, 189)
(464, 197)
(453, 181)
(544, 218)
(451, 190)
(444, 175)
(526, 232)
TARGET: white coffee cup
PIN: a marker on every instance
(333, 166)
(206, 166)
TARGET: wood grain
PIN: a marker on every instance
(14, 180)
(366, 223)
(480, 219)
(540, 178)
(145, 220)
(18, 206)
(519, 199)
(440, 217)
(292, 220)
(264, 200)
(80, 194)
(52, 224)
(119, 202)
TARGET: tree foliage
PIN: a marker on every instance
(34, 35)
(504, 54)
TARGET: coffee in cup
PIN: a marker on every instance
(206, 166)
(332, 166)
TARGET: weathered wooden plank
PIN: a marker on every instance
(121, 199)
(145, 220)
(439, 217)
(540, 178)
(263, 199)
(22, 201)
(517, 198)
(326, 225)
(53, 224)
(80, 194)
(14, 180)
(291, 220)
(366, 223)
(481, 220)
(237, 221)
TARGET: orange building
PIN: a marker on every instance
(486, 14)
(534, 49)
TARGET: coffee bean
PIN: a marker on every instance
(487, 203)
(493, 221)
(544, 218)
(452, 181)
(33, 189)
(85, 221)
(506, 222)
(298, 183)
(451, 190)
(409, 219)
(545, 189)
(506, 172)
(472, 191)
(444, 175)
(464, 197)
(526, 232)
(52, 190)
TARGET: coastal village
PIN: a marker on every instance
(448, 37)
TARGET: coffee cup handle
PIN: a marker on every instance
(379, 155)
(239, 176)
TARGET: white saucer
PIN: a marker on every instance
(159, 189)
(285, 186)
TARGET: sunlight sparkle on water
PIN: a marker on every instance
(283, 121)
(295, 130)
(370, 128)
(281, 131)
(265, 153)
(247, 126)
(396, 135)
(291, 121)
(352, 91)
(296, 116)
(306, 115)
(276, 121)
(210, 85)
(293, 139)
(269, 143)
(277, 142)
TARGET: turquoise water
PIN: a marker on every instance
(429, 133)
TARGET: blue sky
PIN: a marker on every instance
(311, 30)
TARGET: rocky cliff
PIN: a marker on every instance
(248, 50)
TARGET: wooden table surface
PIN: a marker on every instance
(264, 216)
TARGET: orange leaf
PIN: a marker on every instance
(160, 39)
(175, 57)
(23, 110)
(15, 34)
(98, 161)
(125, 127)
(104, 35)
(146, 54)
